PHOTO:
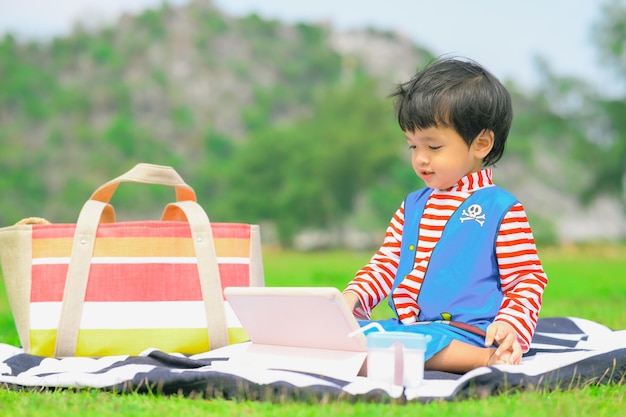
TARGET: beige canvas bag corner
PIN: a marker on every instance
(15, 259)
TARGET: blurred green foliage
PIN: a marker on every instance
(259, 117)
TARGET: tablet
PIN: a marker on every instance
(304, 317)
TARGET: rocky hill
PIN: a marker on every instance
(181, 85)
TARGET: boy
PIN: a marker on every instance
(459, 260)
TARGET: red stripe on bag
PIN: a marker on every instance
(117, 230)
(133, 282)
(122, 282)
(234, 275)
(232, 230)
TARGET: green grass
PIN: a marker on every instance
(584, 282)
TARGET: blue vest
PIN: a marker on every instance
(462, 281)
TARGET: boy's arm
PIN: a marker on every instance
(522, 276)
(373, 282)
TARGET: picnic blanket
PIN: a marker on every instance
(565, 353)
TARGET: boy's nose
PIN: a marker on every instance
(420, 158)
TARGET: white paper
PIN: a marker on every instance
(333, 363)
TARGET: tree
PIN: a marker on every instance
(587, 127)
(309, 174)
(610, 152)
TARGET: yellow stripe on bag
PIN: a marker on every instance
(42, 342)
(105, 342)
(128, 246)
(227, 247)
(134, 341)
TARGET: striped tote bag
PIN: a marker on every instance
(101, 287)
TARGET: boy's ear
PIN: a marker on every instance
(483, 143)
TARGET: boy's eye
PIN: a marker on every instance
(434, 148)
(412, 146)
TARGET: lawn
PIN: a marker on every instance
(584, 282)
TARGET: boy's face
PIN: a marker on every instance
(440, 156)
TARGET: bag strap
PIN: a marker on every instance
(147, 174)
(97, 210)
(208, 270)
(77, 275)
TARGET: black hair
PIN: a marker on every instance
(458, 94)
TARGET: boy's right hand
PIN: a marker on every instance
(351, 299)
(355, 306)
(509, 350)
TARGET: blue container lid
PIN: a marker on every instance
(387, 339)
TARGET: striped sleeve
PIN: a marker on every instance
(373, 282)
(522, 276)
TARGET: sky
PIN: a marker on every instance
(504, 36)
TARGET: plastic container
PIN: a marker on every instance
(395, 357)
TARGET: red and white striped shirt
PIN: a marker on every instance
(521, 273)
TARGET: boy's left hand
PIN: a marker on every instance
(509, 350)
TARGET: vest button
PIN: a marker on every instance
(411, 247)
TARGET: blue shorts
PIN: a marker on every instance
(441, 333)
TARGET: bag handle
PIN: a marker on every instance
(95, 212)
(147, 174)
(208, 269)
(91, 215)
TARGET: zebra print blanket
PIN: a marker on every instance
(565, 353)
